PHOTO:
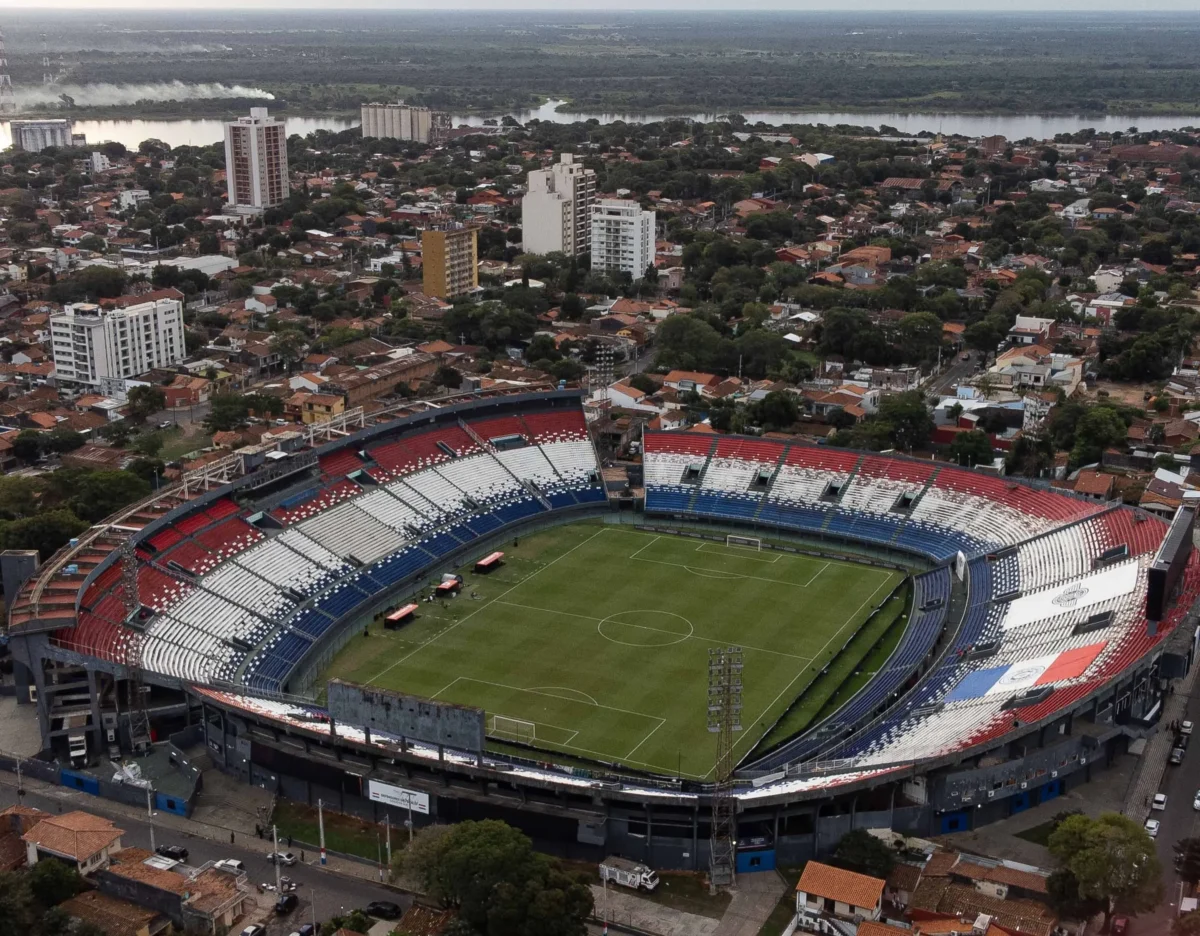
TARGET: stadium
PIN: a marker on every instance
(460, 600)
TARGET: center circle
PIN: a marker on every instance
(646, 628)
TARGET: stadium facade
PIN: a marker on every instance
(1044, 630)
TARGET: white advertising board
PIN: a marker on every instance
(398, 796)
(1072, 596)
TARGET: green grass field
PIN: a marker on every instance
(599, 636)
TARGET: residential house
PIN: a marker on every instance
(824, 891)
(321, 407)
(115, 916)
(84, 841)
(687, 381)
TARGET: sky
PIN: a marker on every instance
(601, 6)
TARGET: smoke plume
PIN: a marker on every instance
(113, 95)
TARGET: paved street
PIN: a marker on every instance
(333, 893)
(956, 373)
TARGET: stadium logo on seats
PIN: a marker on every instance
(1071, 597)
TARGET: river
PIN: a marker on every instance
(1014, 127)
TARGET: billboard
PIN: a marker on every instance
(398, 796)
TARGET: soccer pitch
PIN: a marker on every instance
(597, 636)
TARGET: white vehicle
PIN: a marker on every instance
(284, 858)
(628, 874)
(230, 864)
(1196, 801)
(1152, 828)
(1159, 803)
(1185, 728)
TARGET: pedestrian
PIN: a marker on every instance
(258, 830)
(302, 856)
(289, 841)
(230, 838)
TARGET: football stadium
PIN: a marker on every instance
(459, 603)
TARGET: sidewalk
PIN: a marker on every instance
(1153, 762)
(628, 909)
(754, 899)
(73, 799)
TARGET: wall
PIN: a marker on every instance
(407, 716)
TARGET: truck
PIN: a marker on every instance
(628, 874)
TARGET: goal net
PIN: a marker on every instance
(748, 542)
(514, 729)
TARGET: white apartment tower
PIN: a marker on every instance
(256, 164)
(622, 237)
(404, 122)
(103, 348)
(556, 211)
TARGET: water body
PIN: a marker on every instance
(1014, 127)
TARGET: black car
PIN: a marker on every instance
(286, 904)
(175, 852)
(383, 909)
(1181, 741)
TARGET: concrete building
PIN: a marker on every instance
(33, 136)
(622, 237)
(256, 163)
(404, 122)
(103, 348)
(450, 262)
(556, 212)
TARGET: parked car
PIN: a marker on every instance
(1119, 926)
(254, 930)
(307, 930)
(384, 909)
(1181, 740)
(230, 864)
(284, 858)
(1159, 803)
(1185, 728)
(1176, 756)
(177, 852)
(286, 903)
(1152, 826)
(1196, 801)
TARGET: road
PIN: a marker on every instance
(332, 893)
(956, 373)
(1179, 821)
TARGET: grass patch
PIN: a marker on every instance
(343, 833)
(849, 671)
(679, 890)
(592, 642)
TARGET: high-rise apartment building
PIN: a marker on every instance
(256, 163)
(103, 348)
(622, 237)
(33, 136)
(404, 122)
(450, 261)
(556, 212)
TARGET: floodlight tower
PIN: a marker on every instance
(604, 369)
(47, 75)
(724, 718)
(8, 104)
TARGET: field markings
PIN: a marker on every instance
(444, 631)
(661, 722)
(647, 546)
(833, 637)
(815, 574)
(545, 690)
(588, 617)
(496, 685)
(701, 548)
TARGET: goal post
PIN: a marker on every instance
(514, 729)
(746, 542)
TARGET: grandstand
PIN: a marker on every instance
(1028, 615)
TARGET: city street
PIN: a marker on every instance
(332, 893)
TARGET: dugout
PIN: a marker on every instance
(1169, 563)
(400, 617)
(449, 585)
(489, 562)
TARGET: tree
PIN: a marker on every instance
(356, 921)
(227, 411)
(63, 439)
(144, 402)
(863, 852)
(16, 904)
(912, 425)
(1188, 924)
(1097, 429)
(149, 444)
(971, 448)
(1062, 889)
(47, 532)
(775, 412)
(1113, 860)
(18, 497)
(27, 446)
(52, 882)
(920, 337)
(489, 872)
(100, 493)
(149, 470)
(290, 344)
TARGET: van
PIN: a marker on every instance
(232, 865)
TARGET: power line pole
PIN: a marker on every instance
(724, 718)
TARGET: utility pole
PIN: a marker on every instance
(321, 829)
(312, 899)
(387, 827)
(150, 813)
(275, 840)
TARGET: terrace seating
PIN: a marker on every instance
(246, 589)
(391, 511)
(530, 464)
(498, 428)
(276, 564)
(340, 463)
(573, 459)
(349, 531)
(558, 426)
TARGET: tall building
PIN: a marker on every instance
(450, 261)
(33, 136)
(256, 164)
(622, 237)
(404, 122)
(103, 348)
(556, 212)
(8, 104)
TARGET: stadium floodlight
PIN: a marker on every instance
(724, 705)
